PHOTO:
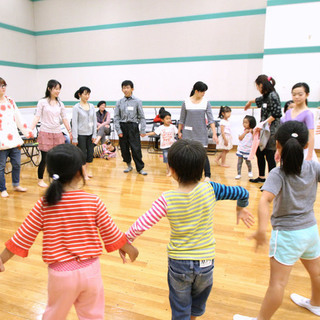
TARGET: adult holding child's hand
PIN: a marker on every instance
(270, 106)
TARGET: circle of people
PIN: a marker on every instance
(191, 254)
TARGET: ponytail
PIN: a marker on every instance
(223, 110)
(81, 90)
(54, 192)
(64, 162)
(292, 157)
(292, 137)
(268, 83)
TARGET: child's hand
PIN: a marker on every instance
(133, 254)
(260, 237)
(1, 266)
(226, 142)
(122, 256)
(130, 250)
(245, 216)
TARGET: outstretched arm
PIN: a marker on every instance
(223, 192)
(149, 219)
(263, 218)
(4, 257)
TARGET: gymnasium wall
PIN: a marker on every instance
(163, 46)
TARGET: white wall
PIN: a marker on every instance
(94, 43)
(292, 26)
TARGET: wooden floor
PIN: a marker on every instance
(139, 291)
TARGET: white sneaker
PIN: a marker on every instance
(238, 176)
(305, 303)
(239, 317)
(250, 175)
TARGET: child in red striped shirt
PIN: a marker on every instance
(71, 221)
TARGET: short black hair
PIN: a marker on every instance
(187, 159)
(101, 102)
(286, 105)
(163, 114)
(127, 83)
(252, 121)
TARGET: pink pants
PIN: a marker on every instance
(82, 287)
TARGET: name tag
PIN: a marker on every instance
(130, 108)
(264, 105)
(188, 128)
(205, 263)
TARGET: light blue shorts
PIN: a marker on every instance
(289, 246)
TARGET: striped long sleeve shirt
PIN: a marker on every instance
(191, 219)
(70, 229)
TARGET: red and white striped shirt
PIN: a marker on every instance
(70, 229)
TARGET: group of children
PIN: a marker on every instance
(71, 220)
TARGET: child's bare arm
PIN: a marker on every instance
(130, 250)
(4, 257)
(241, 136)
(150, 133)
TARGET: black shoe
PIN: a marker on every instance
(257, 180)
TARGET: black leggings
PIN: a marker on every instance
(269, 155)
(207, 171)
(42, 165)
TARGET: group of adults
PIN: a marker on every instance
(90, 127)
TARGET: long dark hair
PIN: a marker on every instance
(293, 137)
(52, 84)
(304, 86)
(63, 163)
(268, 83)
(199, 86)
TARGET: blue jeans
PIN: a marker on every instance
(165, 155)
(189, 287)
(15, 158)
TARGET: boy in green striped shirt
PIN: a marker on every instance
(189, 209)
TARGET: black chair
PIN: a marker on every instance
(30, 150)
(153, 140)
(210, 134)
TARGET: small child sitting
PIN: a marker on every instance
(105, 151)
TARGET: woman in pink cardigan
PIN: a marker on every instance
(10, 140)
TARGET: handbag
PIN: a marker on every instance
(264, 136)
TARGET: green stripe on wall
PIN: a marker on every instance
(245, 56)
(292, 50)
(133, 62)
(17, 29)
(209, 16)
(18, 64)
(165, 103)
(271, 3)
(150, 61)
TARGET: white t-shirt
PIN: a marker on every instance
(226, 125)
(167, 135)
